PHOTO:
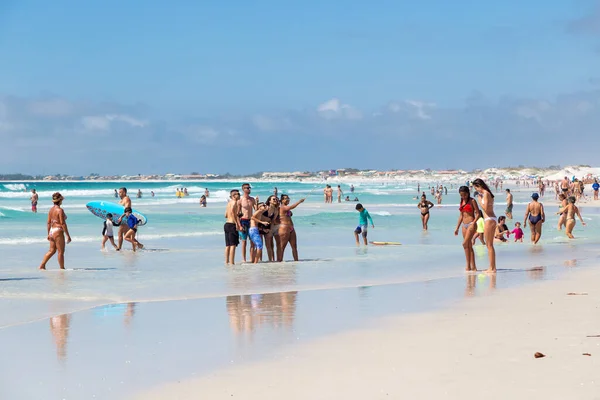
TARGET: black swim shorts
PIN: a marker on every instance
(231, 234)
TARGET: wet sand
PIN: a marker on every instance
(481, 348)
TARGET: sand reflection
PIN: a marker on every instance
(247, 313)
(59, 327)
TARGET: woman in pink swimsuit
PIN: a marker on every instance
(57, 228)
(287, 233)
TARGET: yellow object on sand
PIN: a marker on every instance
(386, 243)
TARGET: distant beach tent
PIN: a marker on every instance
(332, 172)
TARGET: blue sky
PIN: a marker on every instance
(385, 84)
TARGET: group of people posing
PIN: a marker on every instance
(266, 224)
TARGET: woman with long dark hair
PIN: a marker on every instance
(424, 205)
(287, 233)
(486, 200)
(469, 213)
(272, 213)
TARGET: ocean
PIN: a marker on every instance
(184, 243)
(112, 313)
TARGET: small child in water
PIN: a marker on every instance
(363, 224)
(518, 232)
(107, 232)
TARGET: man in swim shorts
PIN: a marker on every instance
(509, 204)
(34, 200)
(564, 185)
(232, 226)
(363, 224)
(123, 227)
(246, 205)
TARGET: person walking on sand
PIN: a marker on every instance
(132, 225)
(363, 224)
(34, 200)
(123, 228)
(571, 210)
(469, 213)
(486, 199)
(509, 204)
(232, 226)
(57, 229)
(287, 233)
(424, 205)
(535, 214)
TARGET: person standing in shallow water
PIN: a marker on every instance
(509, 204)
(486, 200)
(469, 213)
(424, 205)
(34, 201)
(57, 229)
(536, 216)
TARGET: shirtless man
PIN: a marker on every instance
(564, 186)
(246, 205)
(509, 204)
(34, 200)
(232, 226)
(123, 227)
(535, 214)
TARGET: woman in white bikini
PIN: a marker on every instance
(57, 229)
(486, 199)
(287, 233)
(469, 213)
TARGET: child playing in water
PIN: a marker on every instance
(518, 232)
(363, 219)
(107, 232)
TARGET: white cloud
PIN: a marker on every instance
(95, 123)
(332, 109)
(50, 108)
(104, 122)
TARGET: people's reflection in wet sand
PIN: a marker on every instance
(59, 327)
(248, 312)
(129, 313)
(481, 279)
(536, 273)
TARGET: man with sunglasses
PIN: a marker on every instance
(246, 205)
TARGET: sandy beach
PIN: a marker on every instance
(480, 348)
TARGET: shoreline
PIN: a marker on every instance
(478, 348)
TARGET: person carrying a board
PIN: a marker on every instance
(132, 223)
(107, 232)
(363, 224)
(125, 202)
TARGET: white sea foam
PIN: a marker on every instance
(88, 239)
(15, 186)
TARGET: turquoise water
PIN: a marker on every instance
(184, 242)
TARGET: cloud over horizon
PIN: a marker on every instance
(56, 135)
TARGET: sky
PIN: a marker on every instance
(115, 87)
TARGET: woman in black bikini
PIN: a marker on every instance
(272, 213)
(287, 233)
(469, 213)
(424, 205)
